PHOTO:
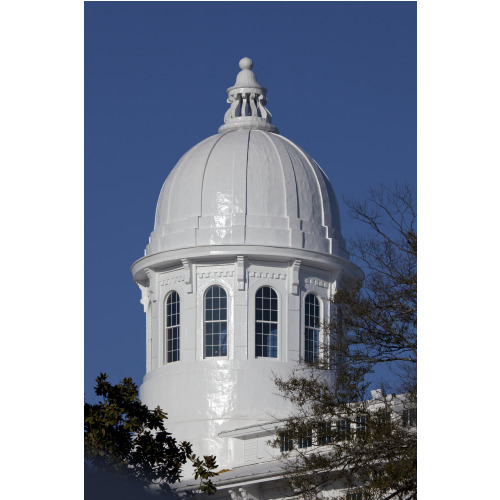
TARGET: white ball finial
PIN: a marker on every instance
(246, 63)
(248, 102)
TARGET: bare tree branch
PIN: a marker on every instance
(366, 447)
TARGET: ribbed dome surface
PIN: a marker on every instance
(247, 187)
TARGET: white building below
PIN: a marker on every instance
(257, 470)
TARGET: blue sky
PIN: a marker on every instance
(342, 84)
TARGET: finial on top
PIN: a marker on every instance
(246, 63)
(247, 99)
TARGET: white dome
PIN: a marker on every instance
(247, 187)
(243, 210)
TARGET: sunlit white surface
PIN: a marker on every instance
(243, 209)
(247, 187)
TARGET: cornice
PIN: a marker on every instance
(209, 253)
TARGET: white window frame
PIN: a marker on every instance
(277, 322)
(204, 320)
(320, 334)
(166, 328)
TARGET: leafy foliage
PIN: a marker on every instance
(367, 446)
(123, 437)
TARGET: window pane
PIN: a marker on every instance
(266, 322)
(325, 433)
(286, 444)
(311, 328)
(171, 334)
(215, 322)
(343, 430)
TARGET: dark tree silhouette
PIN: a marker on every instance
(126, 441)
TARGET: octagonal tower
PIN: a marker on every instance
(245, 253)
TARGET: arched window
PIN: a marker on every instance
(311, 334)
(171, 338)
(149, 339)
(215, 322)
(266, 323)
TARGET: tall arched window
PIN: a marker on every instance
(311, 334)
(215, 322)
(266, 323)
(149, 339)
(171, 338)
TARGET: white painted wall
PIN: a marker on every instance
(204, 397)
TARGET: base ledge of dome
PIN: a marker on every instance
(170, 258)
(248, 122)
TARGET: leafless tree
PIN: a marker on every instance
(340, 434)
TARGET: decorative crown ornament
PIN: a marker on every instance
(247, 99)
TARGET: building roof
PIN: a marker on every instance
(247, 185)
(245, 474)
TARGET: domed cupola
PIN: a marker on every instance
(247, 185)
(245, 255)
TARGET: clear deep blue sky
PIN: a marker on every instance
(341, 80)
